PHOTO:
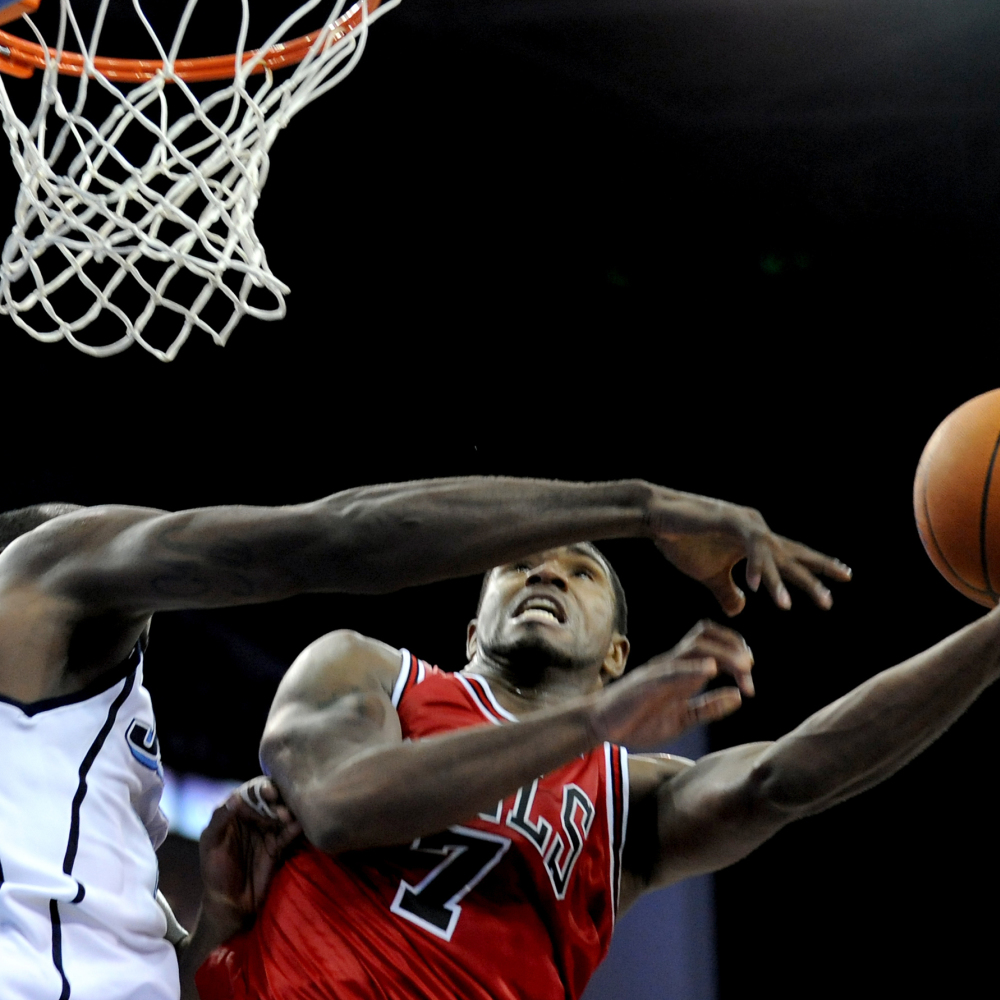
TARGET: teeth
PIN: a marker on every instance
(540, 604)
(538, 614)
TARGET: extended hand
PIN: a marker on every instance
(660, 700)
(240, 850)
(706, 538)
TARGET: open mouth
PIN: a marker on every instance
(540, 609)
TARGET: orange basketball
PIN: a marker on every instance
(956, 498)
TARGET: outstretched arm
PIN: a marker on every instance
(333, 745)
(730, 802)
(376, 539)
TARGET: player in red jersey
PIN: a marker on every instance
(527, 885)
(377, 753)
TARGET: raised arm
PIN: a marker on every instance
(718, 811)
(381, 538)
(333, 744)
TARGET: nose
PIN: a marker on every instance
(547, 574)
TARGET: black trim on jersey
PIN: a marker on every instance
(412, 677)
(96, 687)
(475, 689)
(57, 948)
(618, 831)
(74, 825)
(1, 873)
(85, 766)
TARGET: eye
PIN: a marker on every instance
(585, 573)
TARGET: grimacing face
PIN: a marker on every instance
(559, 603)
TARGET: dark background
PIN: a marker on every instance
(742, 250)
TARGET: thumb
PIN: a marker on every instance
(730, 597)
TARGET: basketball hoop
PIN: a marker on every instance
(149, 207)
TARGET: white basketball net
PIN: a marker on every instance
(97, 235)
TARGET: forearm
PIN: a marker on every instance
(372, 539)
(393, 794)
(874, 730)
(400, 535)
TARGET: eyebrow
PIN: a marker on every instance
(582, 550)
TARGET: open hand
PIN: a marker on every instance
(662, 699)
(706, 538)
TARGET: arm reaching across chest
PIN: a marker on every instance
(718, 811)
(333, 742)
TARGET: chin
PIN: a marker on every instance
(532, 652)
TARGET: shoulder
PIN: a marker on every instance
(336, 663)
(70, 537)
(336, 697)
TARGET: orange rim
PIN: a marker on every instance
(25, 57)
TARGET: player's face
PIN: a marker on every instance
(559, 603)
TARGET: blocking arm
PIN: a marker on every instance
(718, 811)
(382, 538)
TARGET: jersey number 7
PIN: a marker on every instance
(467, 855)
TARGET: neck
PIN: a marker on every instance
(534, 685)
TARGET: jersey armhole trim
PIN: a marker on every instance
(98, 686)
(411, 672)
(616, 797)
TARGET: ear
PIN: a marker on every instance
(614, 663)
(470, 640)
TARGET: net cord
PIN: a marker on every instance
(84, 225)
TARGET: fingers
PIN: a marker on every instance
(731, 599)
(215, 832)
(818, 562)
(687, 670)
(276, 825)
(714, 705)
(259, 794)
(804, 563)
(770, 575)
(288, 833)
(774, 560)
(725, 646)
(668, 709)
(797, 574)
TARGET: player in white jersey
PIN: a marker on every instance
(79, 778)
(96, 753)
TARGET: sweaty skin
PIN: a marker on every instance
(77, 592)
(333, 747)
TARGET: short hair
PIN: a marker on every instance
(621, 605)
(14, 523)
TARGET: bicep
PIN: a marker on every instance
(333, 705)
(703, 819)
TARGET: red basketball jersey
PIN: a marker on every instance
(517, 904)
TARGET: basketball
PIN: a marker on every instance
(956, 498)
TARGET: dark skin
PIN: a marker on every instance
(77, 592)
(333, 743)
(239, 850)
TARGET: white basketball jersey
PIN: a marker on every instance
(80, 821)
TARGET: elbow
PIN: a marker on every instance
(325, 833)
(341, 820)
(328, 823)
